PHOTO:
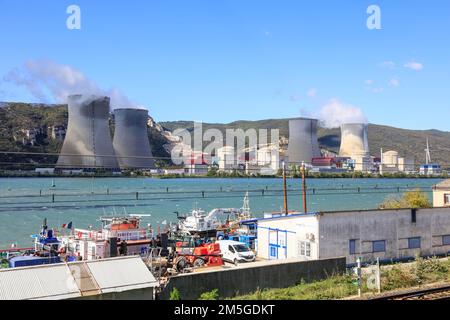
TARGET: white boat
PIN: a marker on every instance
(198, 221)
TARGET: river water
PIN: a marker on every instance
(25, 202)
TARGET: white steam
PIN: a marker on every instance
(44, 78)
(335, 113)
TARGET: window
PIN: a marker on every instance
(273, 252)
(446, 240)
(414, 243)
(302, 248)
(352, 246)
(379, 246)
(231, 249)
(447, 199)
(308, 249)
(305, 249)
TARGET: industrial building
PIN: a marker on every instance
(88, 144)
(391, 162)
(115, 278)
(303, 142)
(385, 234)
(131, 143)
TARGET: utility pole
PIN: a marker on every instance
(286, 211)
(305, 206)
(378, 276)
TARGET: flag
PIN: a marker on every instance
(67, 225)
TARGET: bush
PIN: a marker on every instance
(175, 294)
(211, 295)
(431, 269)
(413, 199)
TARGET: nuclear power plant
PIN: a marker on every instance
(303, 142)
(88, 143)
(131, 144)
(354, 140)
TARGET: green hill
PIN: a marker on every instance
(409, 143)
(17, 116)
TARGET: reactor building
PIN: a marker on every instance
(354, 140)
(303, 143)
(88, 144)
(131, 143)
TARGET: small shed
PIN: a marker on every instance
(441, 194)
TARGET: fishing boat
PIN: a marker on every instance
(118, 235)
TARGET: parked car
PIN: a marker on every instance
(235, 252)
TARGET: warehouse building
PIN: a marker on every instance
(385, 234)
(116, 278)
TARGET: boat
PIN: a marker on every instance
(200, 222)
(118, 235)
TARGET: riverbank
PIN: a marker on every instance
(347, 175)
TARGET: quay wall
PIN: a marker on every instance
(246, 279)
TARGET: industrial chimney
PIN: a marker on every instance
(354, 140)
(303, 142)
(131, 143)
(88, 141)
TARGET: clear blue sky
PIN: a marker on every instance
(225, 60)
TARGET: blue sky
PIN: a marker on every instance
(226, 60)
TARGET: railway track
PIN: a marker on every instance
(435, 293)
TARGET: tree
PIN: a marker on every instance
(412, 199)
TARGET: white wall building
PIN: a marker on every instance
(384, 234)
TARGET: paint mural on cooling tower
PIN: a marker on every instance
(88, 142)
(303, 142)
(131, 143)
(354, 140)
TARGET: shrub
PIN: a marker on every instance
(175, 294)
(211, 295)
(412, 199)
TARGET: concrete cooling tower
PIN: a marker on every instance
(88, 142)
(354, 140)
(131, 143)
(303, 142)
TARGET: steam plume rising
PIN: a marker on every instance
(335, 113)
(44, 78)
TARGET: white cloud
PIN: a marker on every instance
(312, 93)
(387, 65)
(416, 66)
(45, 77)
(335, 113)
(394, 83)
(369, 82)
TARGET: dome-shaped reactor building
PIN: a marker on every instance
(354, 140)
(88, 143)
(303, 142)
(131, 143)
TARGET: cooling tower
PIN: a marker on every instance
(303, 143)
(88, 141)
(354, 140)
(131, 143)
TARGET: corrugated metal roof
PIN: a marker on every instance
(77, 279)
(116, 275)
(42, 282)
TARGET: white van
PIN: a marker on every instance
(233, 251)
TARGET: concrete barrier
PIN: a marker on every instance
(248, 278)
